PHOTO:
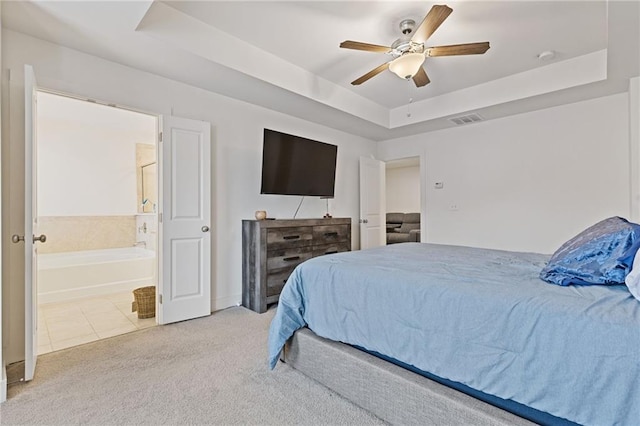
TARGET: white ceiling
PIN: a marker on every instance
(307, 34)
(285, 55)
(63, 114)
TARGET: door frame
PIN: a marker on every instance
(30, 223)
(422, 164)
(161, 161)
(158, 121)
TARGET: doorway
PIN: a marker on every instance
(97, 198)
(183, 245)
(403, 200)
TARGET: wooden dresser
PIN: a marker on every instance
(271, 249)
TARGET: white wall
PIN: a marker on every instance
(403, 189)
(634, 151)
(237, 155)
(526, 182)
(87, 157)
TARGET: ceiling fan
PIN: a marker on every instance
(409, 51)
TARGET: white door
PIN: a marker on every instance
(30, 225)
(185, 170)
(372, 203)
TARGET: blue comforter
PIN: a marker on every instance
(479, 317)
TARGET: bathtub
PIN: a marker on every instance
(71, 275)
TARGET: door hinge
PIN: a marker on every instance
(160, 137)
(160, 217)
(160, 299)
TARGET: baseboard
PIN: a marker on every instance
(3, 385)
(226, 302)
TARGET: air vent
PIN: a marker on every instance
(466, 119)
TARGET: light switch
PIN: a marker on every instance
(439, 185)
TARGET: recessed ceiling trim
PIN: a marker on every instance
(181, 30)
(573, 72)
(190, 34)
(228, 62)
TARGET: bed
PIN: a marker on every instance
(479, 321)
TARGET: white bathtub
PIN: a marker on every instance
(70, 275)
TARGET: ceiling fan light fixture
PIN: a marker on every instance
(409, 50)
(407, 65)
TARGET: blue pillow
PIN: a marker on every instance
(601, 254)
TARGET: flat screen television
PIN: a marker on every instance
(293, 165)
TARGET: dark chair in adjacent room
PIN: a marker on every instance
(403, 227)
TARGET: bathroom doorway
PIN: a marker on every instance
(404, 200)
(97, 203)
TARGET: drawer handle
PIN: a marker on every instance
(331, 234)
(291, 237)
(291, 258)
(331, 252)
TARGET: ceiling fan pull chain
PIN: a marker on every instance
(410, 98)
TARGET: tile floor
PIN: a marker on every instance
(71, 323)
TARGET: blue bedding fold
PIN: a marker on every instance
(479, 317)
(601, 254)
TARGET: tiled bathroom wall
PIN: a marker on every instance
(146, 230)
(77, 233)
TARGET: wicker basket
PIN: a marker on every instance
(145, 302)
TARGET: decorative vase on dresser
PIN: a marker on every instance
(271, 249)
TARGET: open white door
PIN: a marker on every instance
(30, 225)
(185, 276)
(372, 203)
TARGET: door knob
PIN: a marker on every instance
(17, 238)
(42, 238)
(205, 229)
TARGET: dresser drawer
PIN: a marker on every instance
(289, 237)
(330, 249)
(276, 281)
(325, 234)
(281, 263)
(287, 258)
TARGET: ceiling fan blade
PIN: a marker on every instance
(370, 74)
(458, 49)
(421, 78)
(356, 45)
(431, 22)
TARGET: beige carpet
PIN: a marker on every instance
(210, 370)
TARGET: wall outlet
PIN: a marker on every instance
(439, 185)
(454, 207)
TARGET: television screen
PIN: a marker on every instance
(293, 165)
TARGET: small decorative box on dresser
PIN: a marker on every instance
(271, 249)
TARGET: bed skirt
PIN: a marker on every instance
(390, 392)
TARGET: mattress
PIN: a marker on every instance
(478, 317)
